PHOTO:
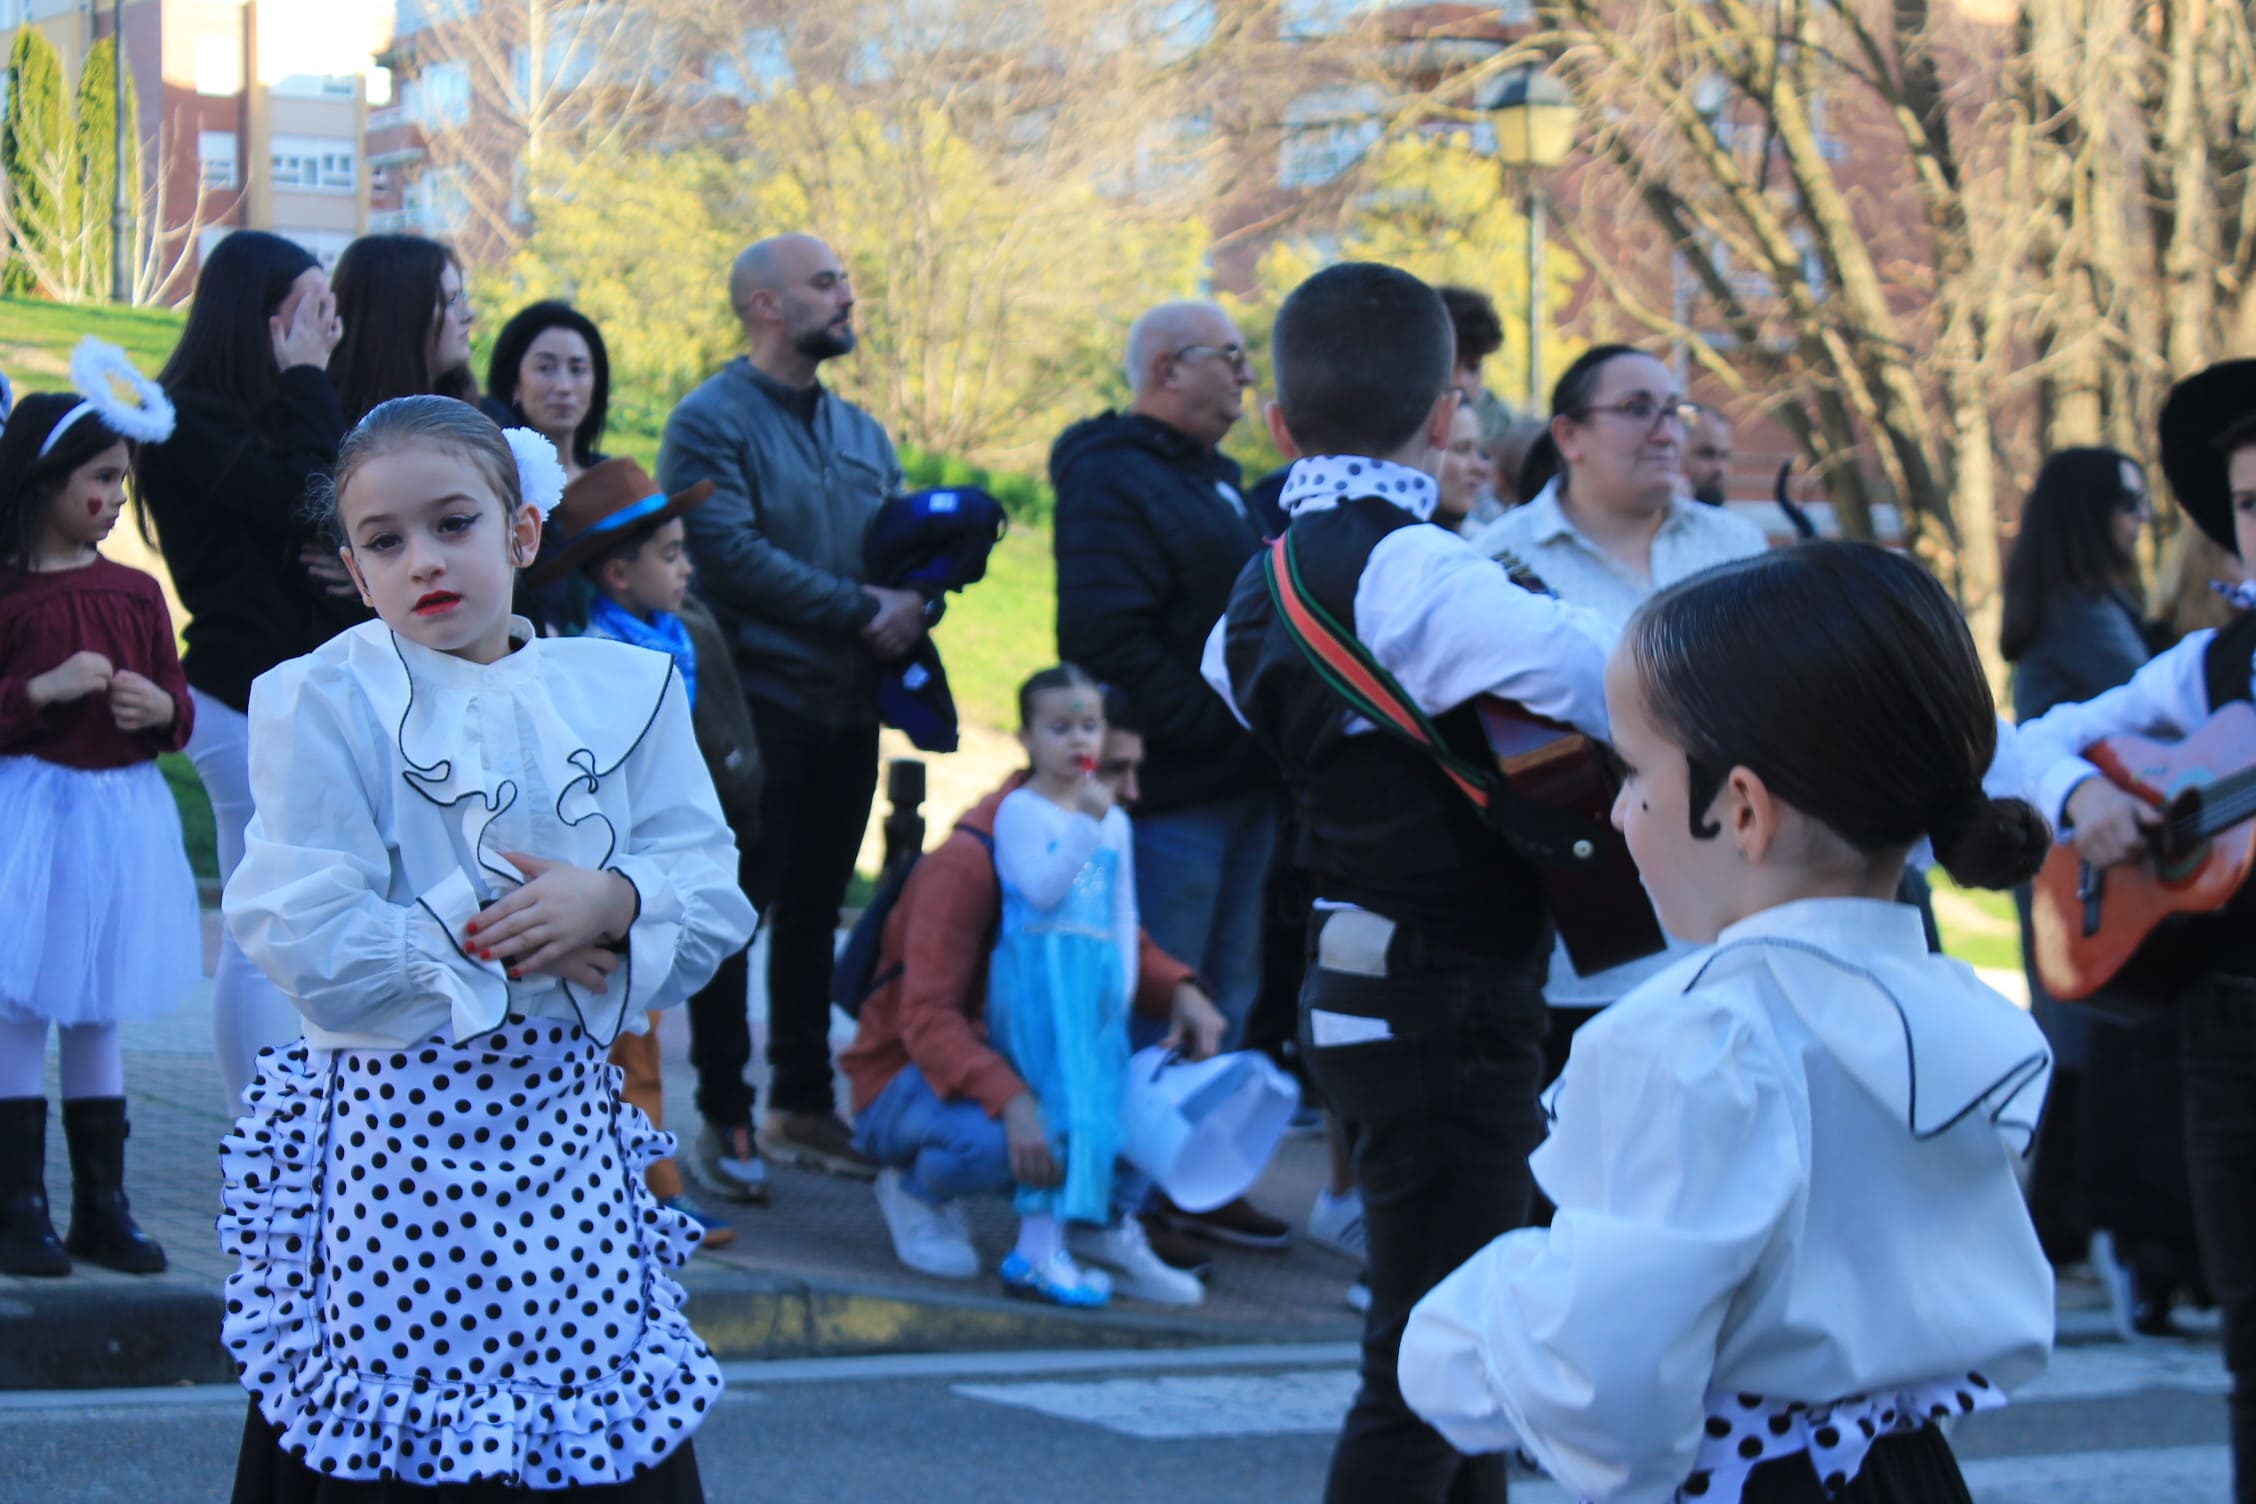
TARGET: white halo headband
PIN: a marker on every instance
(103, 376)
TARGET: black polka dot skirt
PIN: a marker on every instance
(450, 1269)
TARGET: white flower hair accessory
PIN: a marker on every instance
(130, 403)
(540, 475)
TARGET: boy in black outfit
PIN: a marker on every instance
(1422, 1015)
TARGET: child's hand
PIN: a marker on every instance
(76, 677)
(1093, 796)
(1027, 1132)
(560, 911)
(584, 969)
(2108, 825)
(137, 704)
(1199, 1025)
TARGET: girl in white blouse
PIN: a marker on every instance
(1789, 1236)
(478, 854)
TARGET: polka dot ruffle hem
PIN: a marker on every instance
(450, 1267)
(1744, 1431)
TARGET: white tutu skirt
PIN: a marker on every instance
(98, 902)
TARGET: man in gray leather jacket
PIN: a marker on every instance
(797, 473)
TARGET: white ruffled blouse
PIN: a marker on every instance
(1787, 1210)
(388, 780)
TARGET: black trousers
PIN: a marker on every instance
(265, 1474)
(813, 812)
(2217, 1037)
(1444, 1113)
(1909, 1467)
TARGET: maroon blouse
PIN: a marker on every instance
(104, 608)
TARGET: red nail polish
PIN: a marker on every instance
(471, 928)
(515, 975)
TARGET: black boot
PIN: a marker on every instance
(101, 1229)
(28, 1244)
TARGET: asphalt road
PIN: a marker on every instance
(1222, 1426)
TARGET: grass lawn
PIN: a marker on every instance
(1979, 927)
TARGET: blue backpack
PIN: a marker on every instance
(855, 975)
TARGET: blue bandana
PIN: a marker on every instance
(663, 633)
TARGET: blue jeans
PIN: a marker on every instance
(1201, 873)
(942, 1149)
(949, 1149)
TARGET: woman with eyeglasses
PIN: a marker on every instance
(1611, 527)
(1607, 527)
(2110, 1161)
(407, 323)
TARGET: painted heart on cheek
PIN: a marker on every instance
(94, 508)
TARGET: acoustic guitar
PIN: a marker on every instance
(2089, 923)
(1597, 900)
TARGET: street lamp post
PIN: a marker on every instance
(1534, 118)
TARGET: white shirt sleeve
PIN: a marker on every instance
(1592, 1344)
(1215, 670)
(1040, 848)
(682, 859)
(1127, 924)
(1450, 625)
(308, 903)
(2169, 696)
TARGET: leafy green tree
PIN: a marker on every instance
(93, 166)
(33, 158)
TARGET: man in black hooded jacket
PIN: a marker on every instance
(1151, 533)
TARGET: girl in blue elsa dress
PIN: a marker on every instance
(1062, 977)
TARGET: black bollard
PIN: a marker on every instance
(904, 818)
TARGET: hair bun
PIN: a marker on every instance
(1992, 843)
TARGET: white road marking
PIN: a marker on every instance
(1189, 1407)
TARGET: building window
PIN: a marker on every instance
(325, 246)
(439, 96)
(315, 164)
(1326, 133)
(439, 201)
(215, 158)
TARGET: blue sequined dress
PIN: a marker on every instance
(1058, 988)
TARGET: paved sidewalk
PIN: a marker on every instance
(811, 1275)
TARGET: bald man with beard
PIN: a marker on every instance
(797, 474)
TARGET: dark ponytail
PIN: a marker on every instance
(1844, 677)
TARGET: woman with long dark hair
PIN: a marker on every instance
(257, 418)
(549, 371)
(2110, 1162)
(407, 323)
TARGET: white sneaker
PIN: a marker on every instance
(1336, 1223)
(1143, 1274)
(929, 1239)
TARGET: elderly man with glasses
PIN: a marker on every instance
(1151, 533)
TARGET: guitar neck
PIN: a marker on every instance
(2224, 804)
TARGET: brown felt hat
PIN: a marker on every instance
(601, 507)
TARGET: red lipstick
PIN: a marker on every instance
(437, 603)
(1085, 763)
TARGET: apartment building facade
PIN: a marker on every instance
(237, 142)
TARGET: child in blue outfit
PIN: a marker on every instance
(1063, 973)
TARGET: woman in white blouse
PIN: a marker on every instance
(477, 856)
(1789, 1236)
